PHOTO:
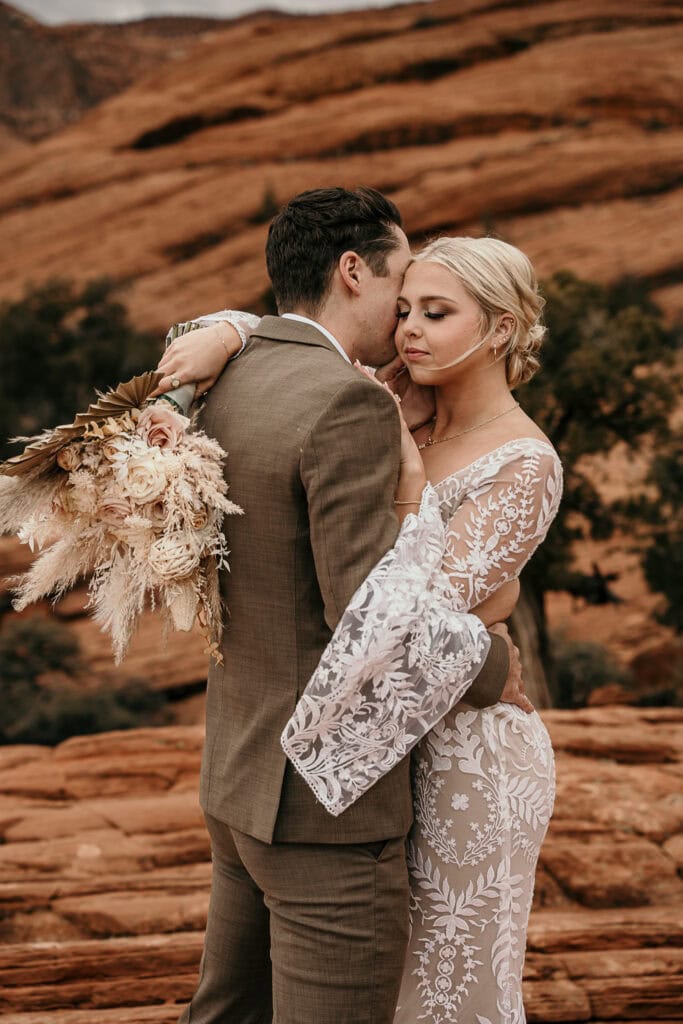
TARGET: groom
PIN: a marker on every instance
(308, 920)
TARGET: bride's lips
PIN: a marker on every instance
(413, 354)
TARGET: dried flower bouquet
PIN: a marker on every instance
(130, 497)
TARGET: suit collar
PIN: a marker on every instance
(277, 328)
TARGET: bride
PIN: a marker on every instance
(480, 485)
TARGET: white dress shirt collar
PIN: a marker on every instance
(323, 330)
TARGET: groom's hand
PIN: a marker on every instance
(513, 691)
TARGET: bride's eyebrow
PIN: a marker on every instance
(427, 298)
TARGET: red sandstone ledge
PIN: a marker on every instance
(104, 875)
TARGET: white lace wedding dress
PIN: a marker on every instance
(483, 781)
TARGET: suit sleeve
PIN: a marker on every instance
(349, 468)
(488, 686)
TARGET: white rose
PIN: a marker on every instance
(81, 494)
(143, 477)
(113, 507)
(198, 517)
(116, 448)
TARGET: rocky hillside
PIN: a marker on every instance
(104, 876)
(556, 124)
(49, 76)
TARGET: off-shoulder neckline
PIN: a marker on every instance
(536, 441)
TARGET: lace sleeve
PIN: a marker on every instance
(506, 503)
(400, 658)
(244, 324)
(405, 651)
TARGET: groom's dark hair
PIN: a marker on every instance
(309, 234)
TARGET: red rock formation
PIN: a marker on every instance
(556, 124)
(50, 76)
(104, 875)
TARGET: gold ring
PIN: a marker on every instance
(175, 382)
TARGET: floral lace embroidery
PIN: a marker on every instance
(405, 651)
(483, 781)
(483, 790)
(497, 512)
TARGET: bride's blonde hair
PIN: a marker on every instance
(501, 279)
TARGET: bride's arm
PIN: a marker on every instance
(405, 651)
(497, 527)
(197, 351)
(500, 605)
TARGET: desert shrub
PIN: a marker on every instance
(60, 342)
(32, 646)
(609, 381)
(43, 700)
(581, 666)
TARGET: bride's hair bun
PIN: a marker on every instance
(522, 361)
(501, 279)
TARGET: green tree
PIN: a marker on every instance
(57, 344)
(607, 379)
(660, 508)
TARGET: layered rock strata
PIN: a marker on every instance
(556, 125)
(104, 876)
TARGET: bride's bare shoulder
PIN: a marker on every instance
(523, 426)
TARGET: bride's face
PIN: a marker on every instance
(438, 321)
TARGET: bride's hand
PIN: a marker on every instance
(417, 400)
(198, 357)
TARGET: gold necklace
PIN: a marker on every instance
(451, 437)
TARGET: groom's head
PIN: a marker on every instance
(339, 255)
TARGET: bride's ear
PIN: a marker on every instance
(350, 268)
(503, 331)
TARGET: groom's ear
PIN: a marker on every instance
(350, 267)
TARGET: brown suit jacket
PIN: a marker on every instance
(313, 461)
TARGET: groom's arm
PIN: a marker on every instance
(349, 467)
(487, 688)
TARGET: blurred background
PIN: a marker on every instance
(142, 161)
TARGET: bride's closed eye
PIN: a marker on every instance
(429, 314)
